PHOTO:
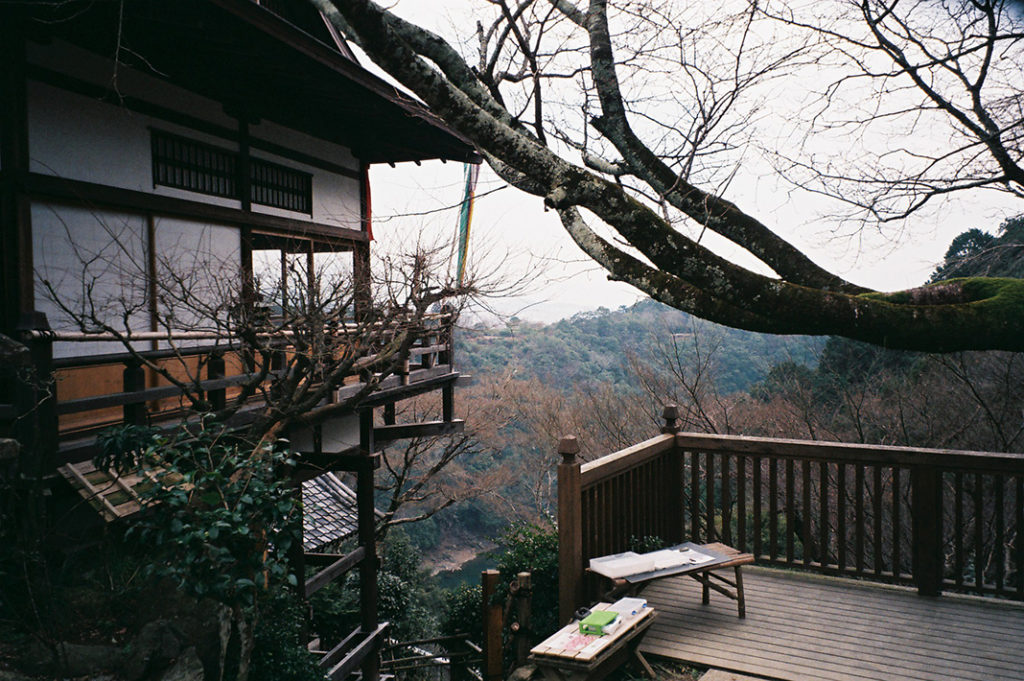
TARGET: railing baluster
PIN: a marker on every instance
(998, 550)
(841, 513)
(979, 540)
(709, 488)
(897, 528)
(958, 528)
(755, 465)
(790, 502)
(805, 530)
(823, 515)
(726, 499)
(1018, 502)
(695, 496)
(858, 514)
(773, 507)
(878, 525)
(741, 498)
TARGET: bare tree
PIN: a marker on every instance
(907, 74)
(652, 172)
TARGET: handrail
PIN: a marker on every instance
(616, 462)
(844, 452)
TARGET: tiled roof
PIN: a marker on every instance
(328, 512)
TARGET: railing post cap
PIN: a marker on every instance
(568, 447)
(671, 411)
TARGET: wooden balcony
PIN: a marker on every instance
(92, 392)
(908, 524)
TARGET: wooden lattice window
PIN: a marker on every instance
(186, 164)
(281, 187)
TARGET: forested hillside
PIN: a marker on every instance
(599, 347)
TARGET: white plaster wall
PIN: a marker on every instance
(198, 274)
(80, 138)
(91, 261)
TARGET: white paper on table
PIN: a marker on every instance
(671, 558)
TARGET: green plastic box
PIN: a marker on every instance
(595, 622)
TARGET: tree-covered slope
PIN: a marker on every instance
(597, 347)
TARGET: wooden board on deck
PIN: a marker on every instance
(801, 626)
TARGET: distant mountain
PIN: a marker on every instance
(593, 347)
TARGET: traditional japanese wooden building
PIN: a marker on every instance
(232, 134)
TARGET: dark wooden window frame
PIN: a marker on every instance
(184, 163)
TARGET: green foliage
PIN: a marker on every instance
(462, 613)
(975, 253)
(528, 547)
(278, 651)
(407, 597)
(221, 518)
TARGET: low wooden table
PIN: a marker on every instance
(568, 655)
(726, 557)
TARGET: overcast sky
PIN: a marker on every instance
(512, 226)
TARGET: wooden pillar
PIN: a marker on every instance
(134, 380)
(492, 619)
(927, 559)
(36, 401)
(216, 368)
(570, 531)
(673, 488)
(16, 263)
(367, 533)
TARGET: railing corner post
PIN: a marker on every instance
(926, 513)
(671, 415)
(570, 531)
(673, 482)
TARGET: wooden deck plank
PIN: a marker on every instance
(810, 627)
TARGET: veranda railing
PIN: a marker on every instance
(936, 519)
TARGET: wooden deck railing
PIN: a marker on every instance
(936, 519)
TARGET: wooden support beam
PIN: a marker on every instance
(408, 430)
(350, 461)
(333, 571)
(363, 651)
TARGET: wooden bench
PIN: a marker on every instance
(568, 655)
(726, 557)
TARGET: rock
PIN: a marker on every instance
(156, 645)
(188, 667)
(71, 659)
(524, 673)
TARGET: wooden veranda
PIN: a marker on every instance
(885, 562)
(801, 626)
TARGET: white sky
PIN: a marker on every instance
(565, 282)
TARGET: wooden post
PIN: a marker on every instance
(927, 562)
(134, 380)
(367, 533)
(570, 531)
(524, 597)
(217, 368)
(491, 611)
(673, 489)
(35, 399)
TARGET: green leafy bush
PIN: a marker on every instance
(221, 516)
(530, 547)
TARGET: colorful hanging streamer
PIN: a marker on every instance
(472, 172)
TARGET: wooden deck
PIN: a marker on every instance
(803, 627)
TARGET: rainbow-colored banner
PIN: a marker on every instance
(472, 172)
